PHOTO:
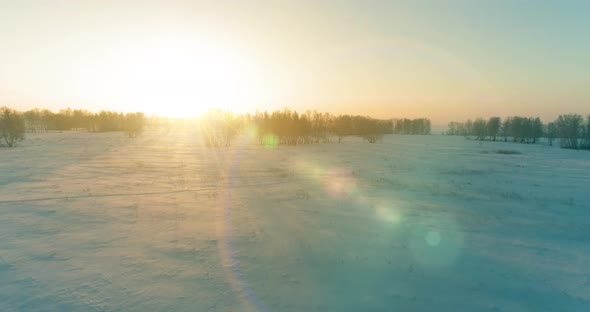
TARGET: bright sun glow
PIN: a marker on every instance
(176, 78)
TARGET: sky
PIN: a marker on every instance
(445, 60)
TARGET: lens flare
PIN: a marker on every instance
(340, 183)
(432, 238)
(270, 141)
(252, 132)
(245, 295)
(436, 242)
(388, 214)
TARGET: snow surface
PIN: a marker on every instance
(100, 222)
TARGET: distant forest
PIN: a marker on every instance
(219, 128)
(44, 120)
(14, 124)
(570, 129)
(288, 127)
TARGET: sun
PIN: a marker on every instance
(180, 78)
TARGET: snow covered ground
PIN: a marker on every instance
(100, 222)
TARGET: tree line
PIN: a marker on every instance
(412, 126)
(288, 127)
(14, 124)
(570, 129)
(218, 128)
(67, 119)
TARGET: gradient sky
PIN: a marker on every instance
(447, 60)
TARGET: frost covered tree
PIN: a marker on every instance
(12, 126)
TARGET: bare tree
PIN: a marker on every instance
(506, 129)
(537, 129)
(569, 128)
(480, 129)
(12, 126)
(586, 142)
(551, 132)
(134, 124)
(468, 129)
(494, 127)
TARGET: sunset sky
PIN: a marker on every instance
(446, 60)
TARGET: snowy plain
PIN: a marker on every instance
(100, 222)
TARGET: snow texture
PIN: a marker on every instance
(100, 222)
